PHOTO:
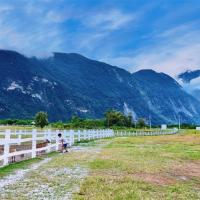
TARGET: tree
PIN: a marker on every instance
(115, 118)
(141, 123)
(41, 119)
(75, 119)
(129, 120)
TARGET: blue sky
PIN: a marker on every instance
(133, 34)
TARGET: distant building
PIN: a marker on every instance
(163, 127)
(198, 128)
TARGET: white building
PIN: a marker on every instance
(163, 127)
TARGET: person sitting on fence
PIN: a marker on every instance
(63, 142)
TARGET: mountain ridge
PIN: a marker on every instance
(67, 84)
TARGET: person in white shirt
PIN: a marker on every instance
(63, 142)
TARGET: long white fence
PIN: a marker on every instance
(145, 133)
(33, 138)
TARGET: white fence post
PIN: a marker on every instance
(49, 140)
(6, 147)
(57, 140)
(65, 134)
(79, 136)
(89, 134)
(84, 134)
(72, 136)
(98, 134)
(19, 137)
(34, 133)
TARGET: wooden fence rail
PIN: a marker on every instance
(32, 142)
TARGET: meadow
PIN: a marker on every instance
(158, 167)
(145, 167)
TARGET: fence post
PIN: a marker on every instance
(88, 134)
(65, 134)
(19, 138)
(79, 136)
(72, 136)
(6, 147)
(34, 133)
(49, 140)
(112, 133)
(57, 140)
(93, 134)
(98, 133)
(102, 134)
(83, 132)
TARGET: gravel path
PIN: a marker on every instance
(53, 178)
(19, 175)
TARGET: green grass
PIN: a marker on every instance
(85, 143)
(150, 167)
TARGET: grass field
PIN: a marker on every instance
(159, 167)
(149, 167)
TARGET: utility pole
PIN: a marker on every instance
(179, 122)
(150, 122)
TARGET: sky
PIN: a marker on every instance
(163, 35)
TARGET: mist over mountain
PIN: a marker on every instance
(189, 75)
(68, 84)
(191, 82)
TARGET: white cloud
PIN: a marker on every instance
(192, 86)
(177, 50)
(110, 20)
(29, 32)
(180, 54)
(53, 16)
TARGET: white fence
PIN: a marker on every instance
(145, 133)
(11, 140)
(33, 138)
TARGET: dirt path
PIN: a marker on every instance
(53, 178)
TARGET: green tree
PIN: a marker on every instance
(41, 119)
(141, 123)
(76, 119)
(115, 118)
(129, 120)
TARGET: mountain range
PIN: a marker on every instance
(67, 84)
